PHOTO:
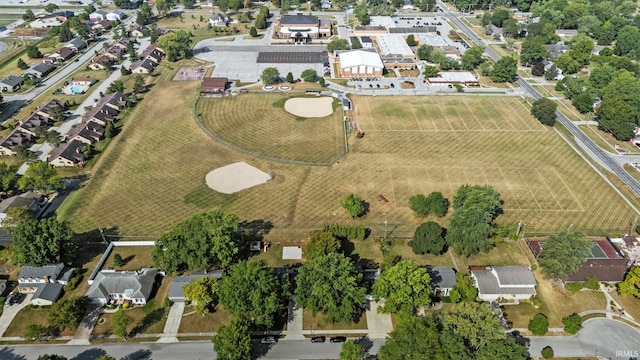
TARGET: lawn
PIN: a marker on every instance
(14, 47)
(211, 322)
(607, 141)
(264, 127)
(134, 257)
(629, 303)
(31, 315)
(309, 322)
(191, 23)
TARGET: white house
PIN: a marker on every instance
(116, 287)
(504, 282)
(115, 15)
(219, 19)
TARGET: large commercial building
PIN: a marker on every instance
(303, 28)
(359, 64)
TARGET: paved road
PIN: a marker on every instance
(609, 339)
(192, 350)
(603, 157)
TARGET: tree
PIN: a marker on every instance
(53, 137)
(251, 292)
(500, 14)
(270, 76)
(16, 216)
(551, 73)
(631, 283)
(260, 22)
(431, 71)
(437, 204)
(118, 261)
(338, 44)
(330, 284)
(321, 243)
(354, 206)
(116, 85)
(28, 15)
(563, 254)
(351, 351)
(144, 15)
(477, 323)
(51, 8)
(627, 41)
(203, 292)
(22, 65)
(57, 113)
(139, 84)
(120, 321)
(105, 356)
(424, 52)
(428, 239)
(40, 176)
(65, 34)
(51, 357)
(289, 78)
(321, 82)
(413, 338)
(253, 31)
(43, 242)
(472, 58)
(547, 352)
(572, 323)
(404, 287)
(163, 7)
(356, 44)
(109, 131)
(203, 241)
(8, 177)
(411, 40)
(539, 325)
(505, 349)
(464, 290)
(309, 75)
(504, 70)
(470, 228)
(35, 332)
(124, 71)
(233, 341)
(33, 52)
(544, 110)
(361, 11)
(533, 51)
(68, 313)
(177, 45)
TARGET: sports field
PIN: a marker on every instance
(261, 124)
(153, 174)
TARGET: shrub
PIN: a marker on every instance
(73, 283)
(539, 324)
(547, 352)
(573, 286)
(350, 232)
(592, 283)
(572, 323)
(354, 205)
(535, 301)
(117, 260)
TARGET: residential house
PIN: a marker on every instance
(143, 66)
(114, 53)
(26, 199)
(47, 295)
(114, 100)
(219, 19)
(566, 34)
(124, 42)
(100, 63)
(11, 83)
(606, 270)
(176, 292)
(102, 115)
(443, 279)
(68, 154)
(98, 15)
(325, 4)
(39, 70)
(76, 44)
(88, 133)
(213, 85)
(66, 53)
(153, 53)
(33, 122)
(137, 31)
(15, 138)
(162, 31)
(302, 28)
(556, 50)
(30, 278)
(115, 15)
(116, 287)
(46, 108)
(407, 5)
(53, 19)
(511, 283)
(103, 24)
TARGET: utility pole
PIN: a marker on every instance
(385, 228)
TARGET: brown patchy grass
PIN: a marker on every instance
(31, 315)
(630, 304)
(211, 322)
(607, 141)
(199, 28)
(309, 322)
(135, 257)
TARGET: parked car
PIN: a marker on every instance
(268, 340)
(338, 339)
(17, 298)
(318, 339)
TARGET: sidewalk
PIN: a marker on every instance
(294, 324)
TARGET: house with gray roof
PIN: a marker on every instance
(39, 70)
(504, 282)
(76, 44)
(45, 282)
(116, 287)
(46, 294)
(176, 292)
(11, 83)
(443, 279)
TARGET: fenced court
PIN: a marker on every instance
(443, 113)
(195, 73)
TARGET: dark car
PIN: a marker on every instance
(318, 339)
(17, 298)
(338, 339)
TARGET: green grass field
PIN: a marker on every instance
(199, 28)
(152, 175)
(263, 119)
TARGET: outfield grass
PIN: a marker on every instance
(262, 126)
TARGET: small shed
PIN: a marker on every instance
(291, 253)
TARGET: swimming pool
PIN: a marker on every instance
(75, 89)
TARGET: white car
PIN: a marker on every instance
(268, 340)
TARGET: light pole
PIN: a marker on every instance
(385, 228)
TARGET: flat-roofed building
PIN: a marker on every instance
(454, 77)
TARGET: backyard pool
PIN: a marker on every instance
(75, 89)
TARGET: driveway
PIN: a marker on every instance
(173, 322)
(10, 312)
(609, 339)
